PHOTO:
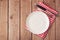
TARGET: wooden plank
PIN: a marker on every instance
(34, 37)
(3, 19)
(25, 10)
(51, 33)
(13, 19)
(58, 20)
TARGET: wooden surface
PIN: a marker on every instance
(13, 15)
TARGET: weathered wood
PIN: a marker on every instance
(25, 10)
(13, 19)
(3, 19)
(13, 16)
(51, 33)
(58, 20)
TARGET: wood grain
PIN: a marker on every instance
(3, 19)
(58, 20)
(25, 10)
(13, 19)
(51, 33)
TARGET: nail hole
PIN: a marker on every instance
(54, 1)
(1, 0)
(11, 17)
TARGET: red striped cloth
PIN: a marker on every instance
(51, 14)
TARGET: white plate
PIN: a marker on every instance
(37, 22)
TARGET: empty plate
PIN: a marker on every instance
(37, 22)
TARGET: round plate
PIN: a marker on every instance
(37, 22)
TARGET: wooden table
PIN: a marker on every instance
(13, 15)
